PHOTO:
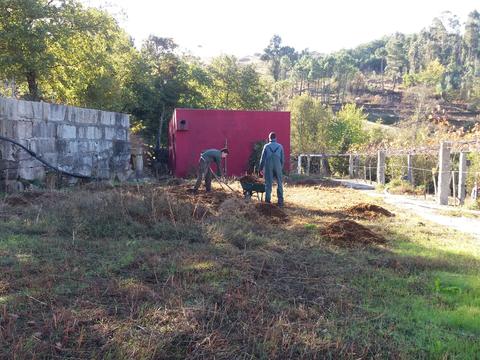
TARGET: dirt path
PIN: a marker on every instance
(425, 209)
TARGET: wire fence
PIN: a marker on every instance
(420, 167)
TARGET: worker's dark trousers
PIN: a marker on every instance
(204, 172)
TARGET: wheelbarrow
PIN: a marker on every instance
(250, 188)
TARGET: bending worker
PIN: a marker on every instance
(271, 163)
(204, 171)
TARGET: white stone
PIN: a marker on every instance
(56, 112)
(45, 130)
(24, 130)
(67, 131)
(24, 109)
(109, 133)
(107, 118)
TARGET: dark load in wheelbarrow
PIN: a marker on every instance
(251, 185)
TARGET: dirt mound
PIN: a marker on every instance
(251, 179)
(271, 211)
(368, 211)
(349, 232)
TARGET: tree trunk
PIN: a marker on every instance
(383, 85)
(160, 128)
(325, 167)
(14, 87)
(32, 86)
(324, 90)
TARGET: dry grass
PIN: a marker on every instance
(152, 272)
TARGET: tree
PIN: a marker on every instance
(315, 128)
(301, 71)
(343, 70)
(381, 53)
(274, 53)
(311, 121)
(437, 46)
(236, 86)
(32, 32)
(415, 55)
(348, 127)
(472, 36)
(327, 65)
(472, 53)
(396, 60)
(92, 67)
(26, 28)
(159, 81)
(433, 75)
(368, 57)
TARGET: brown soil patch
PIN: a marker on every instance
(251, 179)
(349, 232)
(271, 211)
(370, 211)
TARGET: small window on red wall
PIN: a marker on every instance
(182, 125)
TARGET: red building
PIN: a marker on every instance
(193, 130)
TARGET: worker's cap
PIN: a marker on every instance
(224, 150)
(272, 136)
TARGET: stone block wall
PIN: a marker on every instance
(84, 141)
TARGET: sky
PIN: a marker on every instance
(208, 28)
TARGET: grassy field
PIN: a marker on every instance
(148, 272)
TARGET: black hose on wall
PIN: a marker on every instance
(30, 152)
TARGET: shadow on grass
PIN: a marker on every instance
(243, 289)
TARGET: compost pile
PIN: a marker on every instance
(347, 232)
(370, 211)
(251, 179)
(276, 214)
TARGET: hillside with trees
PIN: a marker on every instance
(64, 52)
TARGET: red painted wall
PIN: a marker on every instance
(207, 129)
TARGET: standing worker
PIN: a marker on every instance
(204, 171)
(271, 163)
